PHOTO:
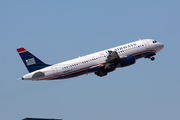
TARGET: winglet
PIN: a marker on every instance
(19, 50)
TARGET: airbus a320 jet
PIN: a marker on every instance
(99, 63)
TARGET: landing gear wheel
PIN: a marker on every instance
(152, 58)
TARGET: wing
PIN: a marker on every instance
(113, 61)
(109, 65)
(112, 58)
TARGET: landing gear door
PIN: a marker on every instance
(146, 44)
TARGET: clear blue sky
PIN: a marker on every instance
(60, 30)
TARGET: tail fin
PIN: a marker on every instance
(31, 62)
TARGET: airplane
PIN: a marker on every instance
(99, 63)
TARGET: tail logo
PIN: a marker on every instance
(30, 61)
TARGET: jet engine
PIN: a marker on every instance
(126, 61)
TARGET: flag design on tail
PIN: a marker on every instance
(31, 62)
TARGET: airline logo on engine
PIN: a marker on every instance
(30, 61)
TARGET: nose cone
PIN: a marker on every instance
(160, 46)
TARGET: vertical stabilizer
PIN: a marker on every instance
(31, 62)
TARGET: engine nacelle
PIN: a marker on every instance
(126, 61)
(100, 73)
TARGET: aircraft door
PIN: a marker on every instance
(54, 70)
(146, 44)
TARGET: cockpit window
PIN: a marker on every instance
(154, 41)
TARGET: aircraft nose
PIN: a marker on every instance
(161, 45)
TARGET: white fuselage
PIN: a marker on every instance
(92, 62)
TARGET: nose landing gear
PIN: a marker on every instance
(152, 58)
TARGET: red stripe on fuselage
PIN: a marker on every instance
(71, 72)
(144, 52)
